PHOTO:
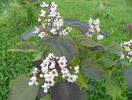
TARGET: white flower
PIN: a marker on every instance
(51, 83)
(48, 77)
(43, 13)
(52, 65)
(33, 81)
(42, 34)
(69, 29)
(65, 72)
(88, 35)
(62, 62)
(35, 71)
(53, 6)
(41, 75)
(45, 86)
(76, 69)
(100, 37)
(122, 56)
(54, 72)
(127, 46)
(37, 30)
(94, 25)
(44, 66)
(130, 52)
(53, 31)
(44, 4)
(72, 78)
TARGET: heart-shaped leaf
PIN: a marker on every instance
(128, 76)
(65, 91)
(60, 46)
(86, 42)
(25, 47)
(29, 33)
(20, 90)
(92, 69)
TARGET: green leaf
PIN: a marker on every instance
(20, 90)
(107, 60)
(60, 46)
(25, 47)
(46, 98)
(113, 47)
(65, 91)
(112, 86)
(92, 69)
(82, 80)
(128, 76)
(86, 42)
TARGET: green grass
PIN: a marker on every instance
(17, 16)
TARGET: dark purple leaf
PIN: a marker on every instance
(80, 34)
(66, 91)
(28, 34)
(82, 26)
(104, 33)
(98, 48)
(37, 64)
(41, 92)
(60, 46)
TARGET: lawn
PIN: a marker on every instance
(16, 16)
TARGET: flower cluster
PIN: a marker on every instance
(94, 28)
(127, 46)
(53, 67)
(52, 21)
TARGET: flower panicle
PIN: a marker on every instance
(52, 67)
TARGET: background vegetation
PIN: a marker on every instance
(16, 16)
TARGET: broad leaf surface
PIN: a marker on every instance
(20, 90)
(37, 63)
(41, 92)
(66, 91)
(60, 46)
(114, 47)
(107, 60)
(81, 26)
(28, 33)
(25, 47)
(92, 69)
(86, 42)
(112, 86)
(128, 76)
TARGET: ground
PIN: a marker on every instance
(16, 16)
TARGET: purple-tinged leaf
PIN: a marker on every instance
(37, 64)
(65, 91)
(92, 69)
(60, 46)
(81, 26)
(41, 92)
(104, 33)
(80, 34)
(29, 33)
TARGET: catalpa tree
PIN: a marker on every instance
(66, 62)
